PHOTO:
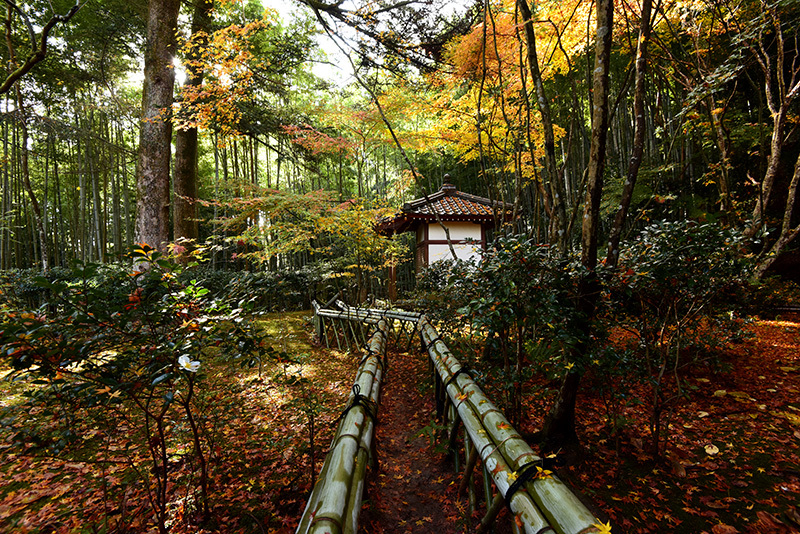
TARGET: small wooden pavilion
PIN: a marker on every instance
(468, 218)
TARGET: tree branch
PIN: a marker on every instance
(38, 52)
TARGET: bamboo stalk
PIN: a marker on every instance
(472, 460)
(383, 314)
(491, 514)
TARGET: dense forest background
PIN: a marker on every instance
(701, 125)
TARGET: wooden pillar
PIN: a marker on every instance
(392, 283)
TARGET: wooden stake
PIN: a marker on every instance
(491, 514)
(472, 461)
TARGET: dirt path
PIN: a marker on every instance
(414, 487)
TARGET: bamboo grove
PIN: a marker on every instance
(702, 106)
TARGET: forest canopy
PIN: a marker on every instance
(702, 104)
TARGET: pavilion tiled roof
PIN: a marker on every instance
(451, 205)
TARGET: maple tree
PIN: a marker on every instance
(342, 237)
(184, 183)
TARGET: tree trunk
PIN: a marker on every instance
(152, 218)
(26, 178)
(560, 424)
(640, 125)
(781, 88)
(597, 150)
(788, 233)
(26, 181)
(555, 191)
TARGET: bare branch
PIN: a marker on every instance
(38, 51)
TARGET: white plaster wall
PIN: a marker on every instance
(458, 231)
(442, 252)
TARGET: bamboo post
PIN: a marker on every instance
(336, 334)
(317, 321)
(472, 461)
(344, 335)
(487, 486)
(491, 514)
(353, 333)
(452, 441)
(325, 331)
(472, 494)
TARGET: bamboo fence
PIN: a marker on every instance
(540, 501)
(546, 504)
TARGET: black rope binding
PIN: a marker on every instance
(366, 356)
(528, 472)
(433, 341)
(370, 407)
(370, 352)
(463, 370)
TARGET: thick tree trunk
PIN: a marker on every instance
(788, 233)
(185, 223)
(152, 217)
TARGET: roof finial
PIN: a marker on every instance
(447, 187)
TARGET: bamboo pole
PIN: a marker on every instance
(335, 501)
(365, 454)
(401, 315)
(351, 316)
(491, 514)
(493, 436)
(472, 460)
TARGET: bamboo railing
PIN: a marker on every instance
(335, 501)
(540, 501)
(547, 504)
(345, 327)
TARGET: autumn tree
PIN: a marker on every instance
(185, 213)
(560, 424)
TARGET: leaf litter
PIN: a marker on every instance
(733, 463)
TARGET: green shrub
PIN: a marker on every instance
(128, 348)
(674, 294)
